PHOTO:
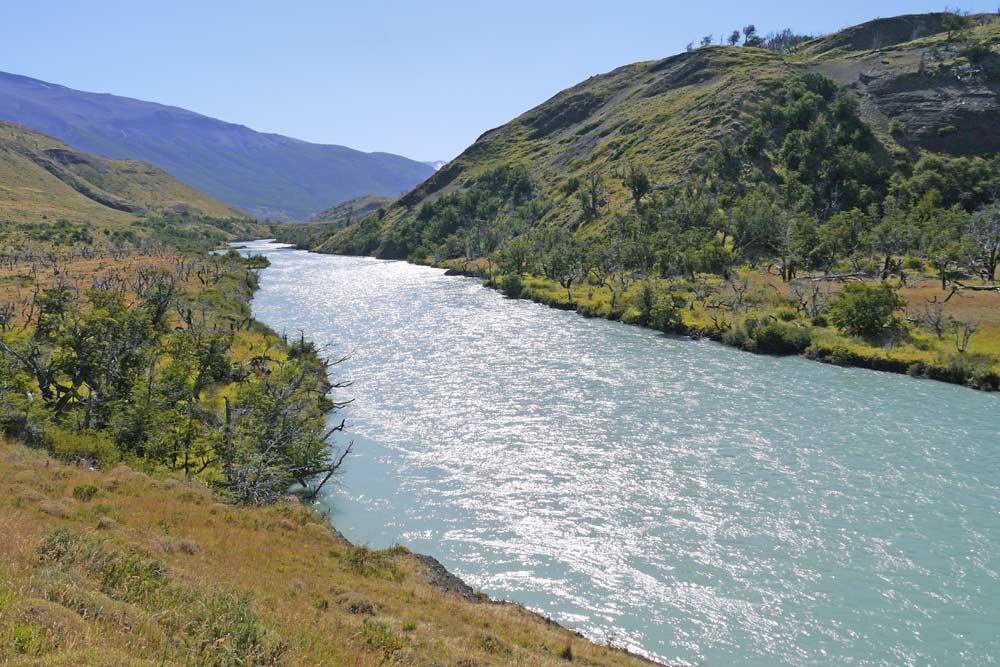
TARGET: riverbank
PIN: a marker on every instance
(761, 314)
(782, 318)
(120, 559)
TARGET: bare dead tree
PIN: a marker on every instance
(963, 331)
(811, 298)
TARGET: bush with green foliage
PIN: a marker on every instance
(768, 336)
(660, 310)
(866, 310)
(512, 285)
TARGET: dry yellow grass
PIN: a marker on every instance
(19, 281)
(332, 603)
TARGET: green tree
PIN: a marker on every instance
(275, 435)
(563, 262)
(893, 236)
(593, 195)
(866, 310)
(638, 183)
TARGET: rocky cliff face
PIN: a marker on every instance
(943, 87)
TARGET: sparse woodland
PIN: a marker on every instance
(150, 356)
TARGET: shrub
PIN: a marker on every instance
(28, 639)
(222, 630)
(866, 310)
(787, 314)
(370, 563)
(189, 547)
(361, 607)
(946, 130)
(512, 286)
(379, 637)
(779, 338)
(897, 128)
(973, 370)
(90, 445)
(976, 52)
(666, 314)
(493, 645)
(658, 310)
(85, 493)
(257, 262)
(768, 336)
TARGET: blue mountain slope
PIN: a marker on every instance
(267, 175)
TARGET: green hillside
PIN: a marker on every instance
(668, 118)
(708, 192)
(43, 177)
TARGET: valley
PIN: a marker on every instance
(271, 402)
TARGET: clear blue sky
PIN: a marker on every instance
(422, 79)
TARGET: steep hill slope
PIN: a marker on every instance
(353, 209)
(664, 115)
(731, 192)
(937, 76)
(267, 175)
(42, 178)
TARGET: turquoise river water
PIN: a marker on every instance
(694, 503)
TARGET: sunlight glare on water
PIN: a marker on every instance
(692, 502)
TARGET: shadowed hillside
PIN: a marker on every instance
(352, 210)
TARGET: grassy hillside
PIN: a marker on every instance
(44, 179)
(709, 192)
(664, 116)
(326, 223)
(117, 567)
(266, 175)
(668, 117)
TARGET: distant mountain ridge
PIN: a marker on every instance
(266, 175)
(44, 179)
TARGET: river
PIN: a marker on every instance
(692, 502)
